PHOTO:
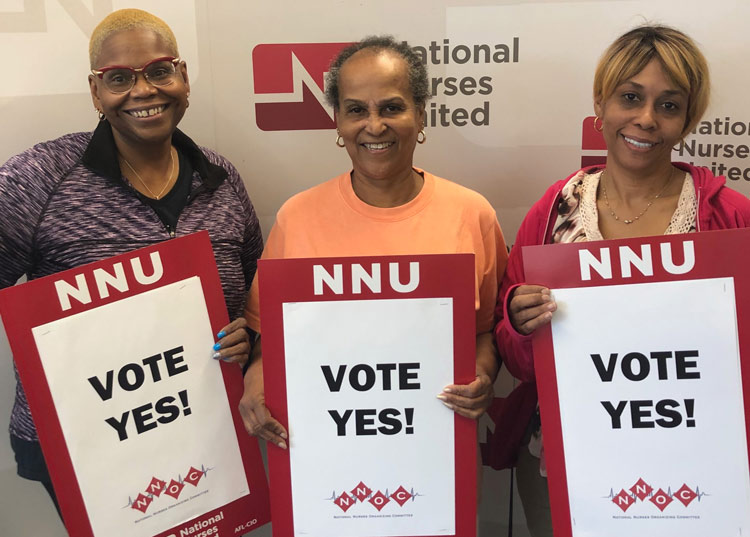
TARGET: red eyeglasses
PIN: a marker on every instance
(121, 78)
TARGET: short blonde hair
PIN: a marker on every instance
(129, 19)
(678, 54)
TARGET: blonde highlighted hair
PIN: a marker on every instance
(678, 54)
(129, 19)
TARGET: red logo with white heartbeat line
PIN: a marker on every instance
(173, 489)
(362, 494)
(289, 85)
(661, 499)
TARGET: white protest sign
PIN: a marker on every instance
(139, 426)
(642, 379)
(376, 388)
(103, 383)
(356, 351)
(654, 369)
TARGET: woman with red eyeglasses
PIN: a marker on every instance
(134, 181)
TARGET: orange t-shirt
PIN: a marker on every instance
(329, 220)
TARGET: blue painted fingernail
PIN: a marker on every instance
(221, 334)
(217, 346)
(216, 355)
(227, 359)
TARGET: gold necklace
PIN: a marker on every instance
(169, 178)
(648, 206)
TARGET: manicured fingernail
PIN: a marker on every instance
(284, 436)
(221, 334)
(449, 405)
(216, 355)
(441, 397)
(217, 346)
(447, 390)
(226, 359)
(282, 445)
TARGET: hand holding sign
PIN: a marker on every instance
(472, 400)
(255, 415)
(530, 307)
(469, 400)
(234, 343)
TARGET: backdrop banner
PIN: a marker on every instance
(139, 426)
(355, 351)
(641, 377)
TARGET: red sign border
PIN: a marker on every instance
(441, 275)
(35, 303)
(718, 254)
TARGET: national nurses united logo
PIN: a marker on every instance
(289, 85)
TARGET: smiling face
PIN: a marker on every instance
(146, 114)
(377, 117)
(642, 120)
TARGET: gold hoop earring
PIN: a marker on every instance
(423, 135)
(601, 124)
(339, 139)
(100, 114)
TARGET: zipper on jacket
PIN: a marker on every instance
(172, 231)
(698, 210)
(193, 193)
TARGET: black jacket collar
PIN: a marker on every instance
(101, 156)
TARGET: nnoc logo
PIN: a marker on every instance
(288, 81)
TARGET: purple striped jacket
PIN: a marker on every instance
(64, 203)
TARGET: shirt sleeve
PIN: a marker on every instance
(495, 256)
(22, 198)
(274, 250)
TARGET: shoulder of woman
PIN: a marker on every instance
(542, 211)
(460, 193)
(544, 204)
(715, 190)
(47, 162)
(727, 199)
(310, 199)
(217, 159)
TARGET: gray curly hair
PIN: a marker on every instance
(417, 71)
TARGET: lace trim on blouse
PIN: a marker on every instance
(578, 215)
